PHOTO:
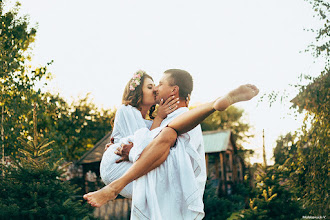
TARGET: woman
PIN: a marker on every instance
(138, 100)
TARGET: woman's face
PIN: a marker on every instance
(148, 92)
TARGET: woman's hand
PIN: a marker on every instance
(167, 107)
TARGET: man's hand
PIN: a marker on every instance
(123, 151)
(112, 141)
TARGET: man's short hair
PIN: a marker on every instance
(183, 80)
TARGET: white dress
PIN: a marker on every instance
(174, 190)
(127, 121)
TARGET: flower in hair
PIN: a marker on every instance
(136, 80)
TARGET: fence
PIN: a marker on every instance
(118, 209)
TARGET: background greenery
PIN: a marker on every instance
(298, 181)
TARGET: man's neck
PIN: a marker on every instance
(182, 103)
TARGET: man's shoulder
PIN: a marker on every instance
(179, 111)
(196, 134)
(196, 131)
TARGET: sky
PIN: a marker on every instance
(97, 46)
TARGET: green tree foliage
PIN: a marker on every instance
(310, 169)
(15, 40)
(17, 79)
(74, 127)
(286, 147)
(321, 46)
(273, 198)
(217, 208)
(33, 188)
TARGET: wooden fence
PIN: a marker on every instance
(118, 209)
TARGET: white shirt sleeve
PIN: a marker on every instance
(142, 138)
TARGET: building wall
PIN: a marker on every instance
(224, 169)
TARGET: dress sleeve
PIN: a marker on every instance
(127, 121)
(130, 126)
(116, 131)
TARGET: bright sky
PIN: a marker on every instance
(97, 46)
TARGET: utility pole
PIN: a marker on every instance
(264, 148)
(2, 133)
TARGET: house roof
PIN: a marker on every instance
(216, 141)
(95, 154)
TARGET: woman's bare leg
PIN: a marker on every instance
(194, 117)
(153, 155)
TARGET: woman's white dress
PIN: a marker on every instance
(174, 190)
(127, 121)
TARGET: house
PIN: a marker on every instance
(225, 167)
(90, 163)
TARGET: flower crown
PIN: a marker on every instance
(136, 80)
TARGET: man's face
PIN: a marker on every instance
(164, 90)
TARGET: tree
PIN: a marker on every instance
(273, 197)
(310, 169)
(33, 188)
(17, 79)
(216, 208)
(74, 127)
(286, 147)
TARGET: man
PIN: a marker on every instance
(175, 189)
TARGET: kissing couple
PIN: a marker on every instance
(159, 161)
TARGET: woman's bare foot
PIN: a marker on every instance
(242, 93)
(102, 196)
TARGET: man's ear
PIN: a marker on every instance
(175, 90)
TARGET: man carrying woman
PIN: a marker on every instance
(168, 161)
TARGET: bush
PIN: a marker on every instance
(33, 188)
(274, 199)
(217, 208)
